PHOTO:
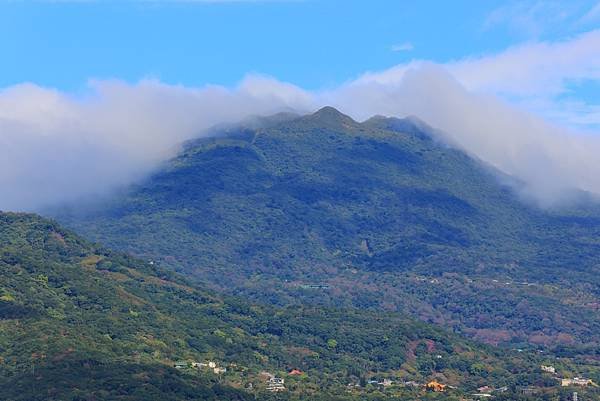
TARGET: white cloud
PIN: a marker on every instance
(56, 147)
(530, 17)
(402, 47)
(551, 160)
(531, 74)
(536, 18)
(533, 69)
(592, 15)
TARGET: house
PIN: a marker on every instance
(548, 369)
(386, 383)
(211, 364)
(296, 372)
(576, 382)
(485, 389)
(181, 365)
(435, 386)
(218, 370)
(529, 391)
(275, 384)
(274, 388)
(481, 396)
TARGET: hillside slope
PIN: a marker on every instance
(379, 212)
(78, 322)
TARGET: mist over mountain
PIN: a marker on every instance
(381, 212)
(325, 200)
(57, 147)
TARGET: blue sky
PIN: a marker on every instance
(312, 43)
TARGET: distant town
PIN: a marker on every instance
(274, 383)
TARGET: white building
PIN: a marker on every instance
(275, 384)
(548, 369)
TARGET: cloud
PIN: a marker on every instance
(402, 47)
(535, 18)
(592, 15)
(528, 17)
(534, 75)
(56, 147)
(552, 161)
(533, 69)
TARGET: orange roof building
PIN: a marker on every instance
(295, 372)
(435, 386)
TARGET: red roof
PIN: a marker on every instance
(295, 372)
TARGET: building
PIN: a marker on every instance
(485, 389)
(548, 369)
(275, 384)
(529, 391)
(218, 370)
(576, 382)
(386, 383)
(318, 286)
(181, 365)
(435, 386)
(296, 372)
(482, 396)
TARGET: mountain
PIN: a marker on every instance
(380, 214)
(79, 322)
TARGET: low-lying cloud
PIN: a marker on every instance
(551, 161)
(57, 147)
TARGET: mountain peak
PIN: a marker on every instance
(331, 114)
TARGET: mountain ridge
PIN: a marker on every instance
(375, 210)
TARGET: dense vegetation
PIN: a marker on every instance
(378, 215)
(79, 322)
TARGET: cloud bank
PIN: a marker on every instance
(57, 147)
(551, 160)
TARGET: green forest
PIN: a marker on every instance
(378, 215)
(80, 322)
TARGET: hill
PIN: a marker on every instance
(79, 322)
(378, 214)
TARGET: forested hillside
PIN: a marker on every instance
(379, 214)
(78, 322)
